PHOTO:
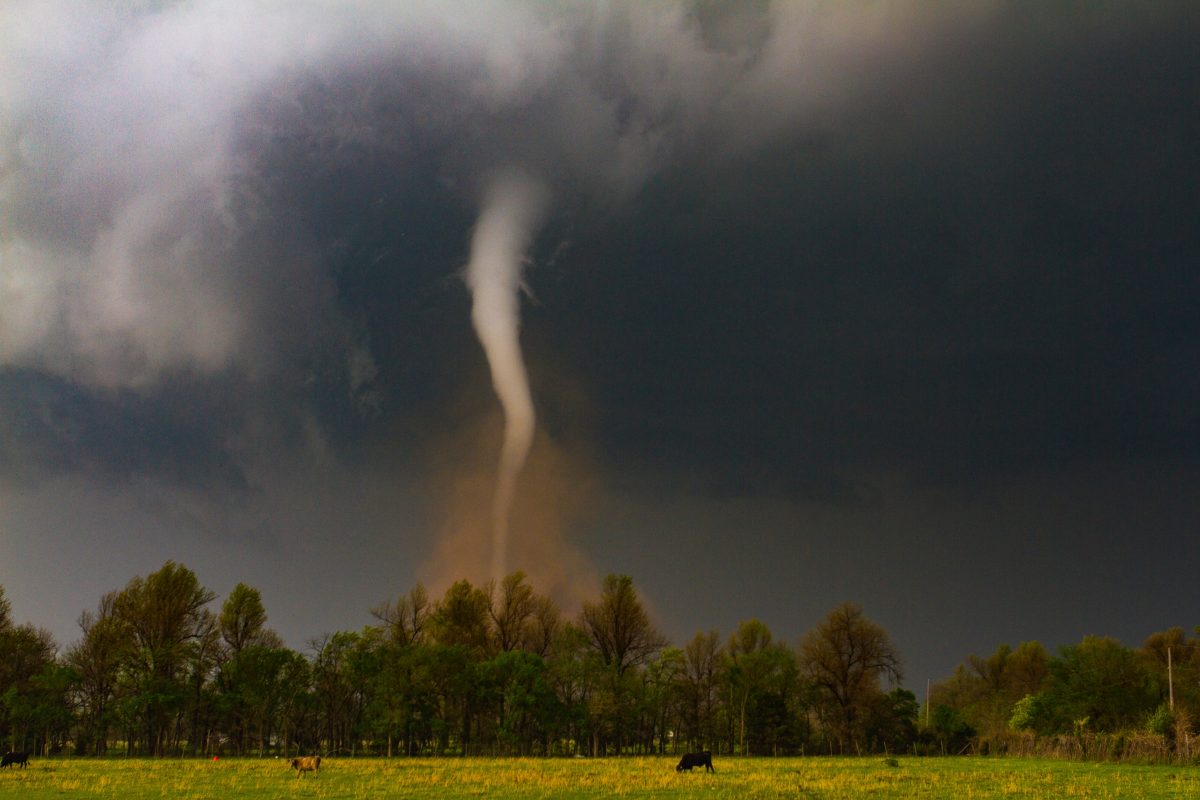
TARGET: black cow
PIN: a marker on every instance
(15, 758)
(696, 760)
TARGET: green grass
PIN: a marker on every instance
(628, 777)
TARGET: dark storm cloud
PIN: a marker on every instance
(49, 425)
(985, 270)
(864, 262)
(190, 189)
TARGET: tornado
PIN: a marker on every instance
(511, 209)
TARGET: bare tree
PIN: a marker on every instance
(618, 627)
(543, 626)
(96, 659)
(5, 612)
(404, 621)
(511, 607)
(701, 661)
(845, 657)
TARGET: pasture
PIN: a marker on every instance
(821, 777)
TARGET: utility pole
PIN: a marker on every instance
(927, 699)
(1170, 679)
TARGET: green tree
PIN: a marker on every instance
(664, 691)
(984, 690)
(165, 615)
(41, 712)
(522, 698)
(751, 661)
(619, 632)
(1173, 660)
(462, 618)
(243, 620)
(96, 659)
(341, 678)
(246, 703)
(775, 708)
(25, 654)
(1029, 714)
(1099, 680)
(951, 729)
(573, 670)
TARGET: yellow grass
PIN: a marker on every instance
(825, 778)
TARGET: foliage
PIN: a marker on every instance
(984, 690)
(950, 729)
(1100, 680)
(498, 670)
(1028, 714)
(1162, 722)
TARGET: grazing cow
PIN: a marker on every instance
(306, 764)
(696, 760)
(15, 758)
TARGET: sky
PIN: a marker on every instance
(796, 303)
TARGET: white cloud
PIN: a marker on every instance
(119, 140)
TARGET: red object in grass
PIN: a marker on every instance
(214, 758)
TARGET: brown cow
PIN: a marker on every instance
(306, 764)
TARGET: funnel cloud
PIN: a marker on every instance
(511, 208)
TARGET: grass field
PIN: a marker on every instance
(627, 777)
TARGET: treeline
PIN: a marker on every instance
(1096, 699)
(496, 669)
(160, 669)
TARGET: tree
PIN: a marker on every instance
(511, 608)
(243, 619)
(96, 659)
(984, 690)
(405, 620)
(523, 699)
(664, 693)
(40, 712)
(339, 688)
(1174, 663)
(461, 618)
(749, 654)
(165, 615)
(25, 653)
(846, 656)
(1101, 681)
(572, 668)
(5, 612)
(543, 626)
(619, 628)
(774, 707)
(953, 732)
(251, 657)
(619, 632)
(701, 665)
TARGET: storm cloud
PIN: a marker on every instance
(827, 270)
